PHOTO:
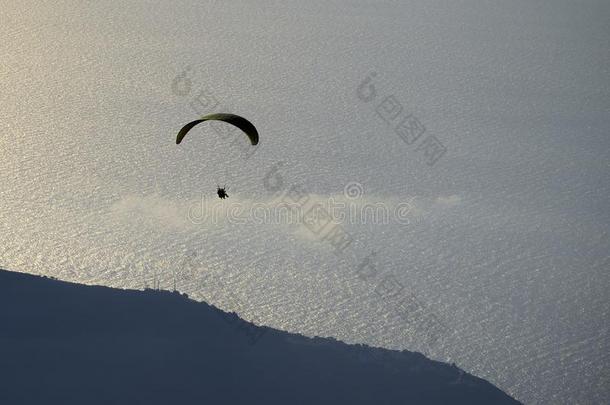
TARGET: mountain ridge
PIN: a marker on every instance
(72, 343)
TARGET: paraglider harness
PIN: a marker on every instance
(222, 194)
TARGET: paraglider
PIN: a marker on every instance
(235, 120)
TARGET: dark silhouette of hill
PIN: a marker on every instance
(63, 343)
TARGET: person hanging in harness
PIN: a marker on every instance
(222, 194)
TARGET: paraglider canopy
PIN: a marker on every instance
(240, 122)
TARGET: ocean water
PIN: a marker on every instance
(342, 222)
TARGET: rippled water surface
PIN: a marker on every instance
(495, 257)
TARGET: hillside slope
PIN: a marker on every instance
(63, 343)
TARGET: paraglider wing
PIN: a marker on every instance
(240, 122)
(185, 129)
